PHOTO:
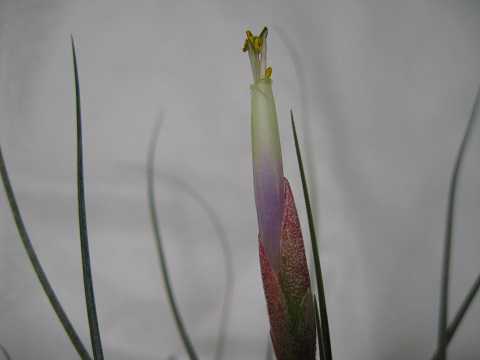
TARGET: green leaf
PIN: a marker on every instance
(37, 266)
(82, 218)
(321, 345)
(323, 328)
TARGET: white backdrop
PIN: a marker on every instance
(382, 91)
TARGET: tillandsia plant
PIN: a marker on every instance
(283, 263)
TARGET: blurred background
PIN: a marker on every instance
(382, 92)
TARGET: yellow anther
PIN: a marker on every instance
(268, 72)
(258, 43)
(245, 45)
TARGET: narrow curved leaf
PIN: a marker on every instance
(82, 217)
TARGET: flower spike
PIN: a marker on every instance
(283, 264)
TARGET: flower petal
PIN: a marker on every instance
(267, 168)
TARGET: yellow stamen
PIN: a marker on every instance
(257, 44)
(268, 72)
(245, 45)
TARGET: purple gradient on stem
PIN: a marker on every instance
(269, 199)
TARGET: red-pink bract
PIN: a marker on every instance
(287, 291)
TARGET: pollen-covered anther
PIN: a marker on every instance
(257, 44)
(245, 45)
(268, 72)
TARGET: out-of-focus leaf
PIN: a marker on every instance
(442, 340)
(159, 242)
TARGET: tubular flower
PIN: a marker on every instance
(283, 263)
